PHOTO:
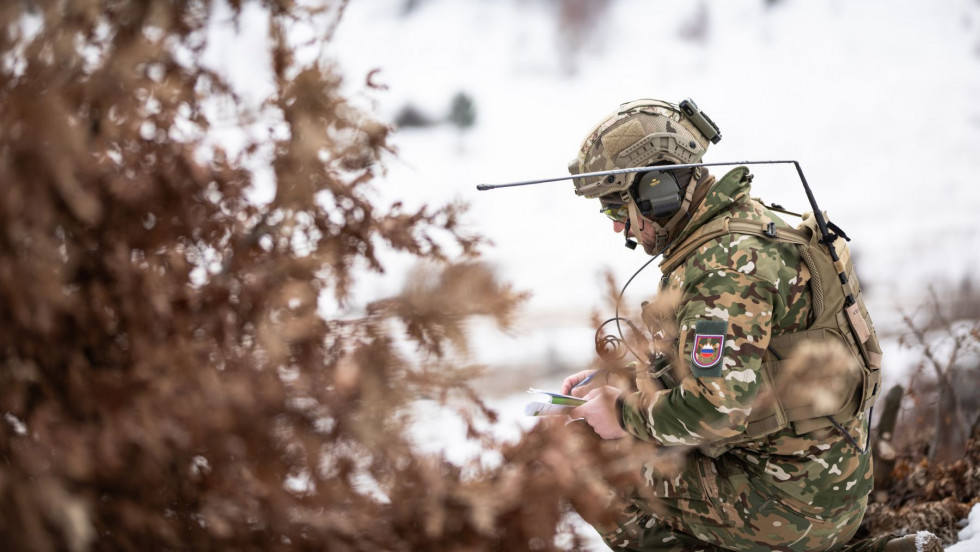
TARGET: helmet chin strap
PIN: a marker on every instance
(661, 232)
(634, 221)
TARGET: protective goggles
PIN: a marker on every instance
(615, 211)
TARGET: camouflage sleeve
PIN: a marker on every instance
(724, 320)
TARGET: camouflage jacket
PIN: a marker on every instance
(737, 292)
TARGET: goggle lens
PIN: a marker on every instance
(617, 213)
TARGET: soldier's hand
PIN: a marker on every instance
(568, 386)
(600, 412)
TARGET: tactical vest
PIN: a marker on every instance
(832, 320)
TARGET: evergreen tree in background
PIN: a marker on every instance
(462, 111)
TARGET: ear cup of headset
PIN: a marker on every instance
(657, 194)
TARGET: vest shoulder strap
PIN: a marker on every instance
(677, 254)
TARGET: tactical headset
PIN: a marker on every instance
(657, 194)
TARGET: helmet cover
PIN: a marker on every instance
(640, 133)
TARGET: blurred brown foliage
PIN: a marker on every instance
(920, 495)
(578, 21)
(945, 331)
(928, 452)
(166, 379)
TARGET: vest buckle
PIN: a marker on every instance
(770, 230)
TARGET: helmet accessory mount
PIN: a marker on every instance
(700, 119)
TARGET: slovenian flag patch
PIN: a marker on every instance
(709, 340)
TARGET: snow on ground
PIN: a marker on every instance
(970, 534)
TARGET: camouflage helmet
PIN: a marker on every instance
(641, 133)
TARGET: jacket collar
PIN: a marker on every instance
(732, 188)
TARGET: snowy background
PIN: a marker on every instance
(879, 100)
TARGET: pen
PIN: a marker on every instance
(586, 380)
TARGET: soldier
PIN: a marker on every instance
(769, 467)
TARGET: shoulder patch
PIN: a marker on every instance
(709, 341)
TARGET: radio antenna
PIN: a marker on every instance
(827, 238)
(629, 170)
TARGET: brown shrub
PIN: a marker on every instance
(928, 458)
(165, 378)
